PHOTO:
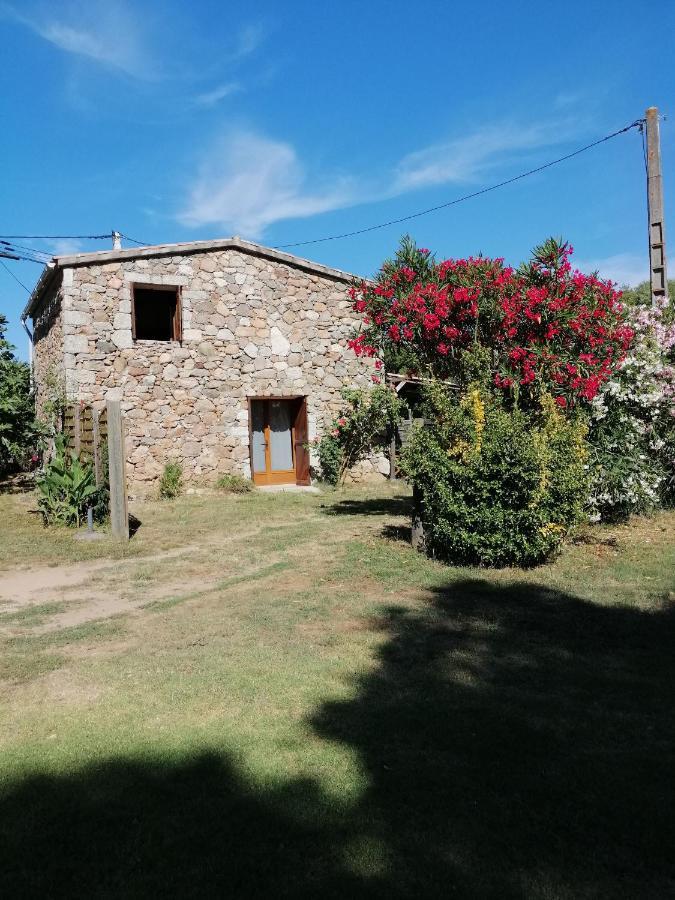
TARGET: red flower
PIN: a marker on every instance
(562, 402)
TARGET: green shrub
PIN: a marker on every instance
(171, 482)
(497, 486)
(234, 484)
(66, 487)
(365, 424)
(330, 459)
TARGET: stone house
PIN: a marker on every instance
(227, 357)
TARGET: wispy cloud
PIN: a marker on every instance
(64, 247)
(250, 37)
(470, 157)
(106, 33)
(246, 181)
(624, 268)
(213, 97)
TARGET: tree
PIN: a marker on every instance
(18, 428)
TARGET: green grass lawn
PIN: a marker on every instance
(274, 696)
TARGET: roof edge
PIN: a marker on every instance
(43, 283)
(233, 243)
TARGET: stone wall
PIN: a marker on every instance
(252, 326)
(48, 361)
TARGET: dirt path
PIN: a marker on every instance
(97, 590)
(22, 587)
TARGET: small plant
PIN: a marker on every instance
(171, 482)
(67, 486)
(234, 484)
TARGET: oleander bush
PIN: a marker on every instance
(632, 421)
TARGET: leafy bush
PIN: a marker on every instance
(66, 487)
(497, 486)
(365, 424)
(632, 423)
(234, 484)
(171, 482)
(19, 432)
(330, 455)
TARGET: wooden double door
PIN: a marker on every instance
(278, 440)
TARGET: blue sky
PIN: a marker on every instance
(284, 122)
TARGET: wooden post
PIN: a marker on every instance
(392, 455)
(417, 531)
(77, 412)
(119, 511)
(96, 436)
(658, 274)
(392, 443)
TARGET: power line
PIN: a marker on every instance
(7, 269)
(56, 237)
(40, 262)
(11, 251)
(638, 123)
(33, 250)
(493, 187)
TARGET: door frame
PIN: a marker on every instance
(286, 476)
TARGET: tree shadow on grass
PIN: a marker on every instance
(517, 742)
(153, 828)
(371, 506)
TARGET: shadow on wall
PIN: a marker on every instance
(517, 743)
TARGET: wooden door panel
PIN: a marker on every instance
(301, 436)
(266, 436)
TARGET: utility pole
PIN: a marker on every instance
(658, 274)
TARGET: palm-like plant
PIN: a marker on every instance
(67, 486)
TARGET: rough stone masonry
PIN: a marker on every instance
(255, 323)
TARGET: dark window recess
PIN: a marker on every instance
(156, 315)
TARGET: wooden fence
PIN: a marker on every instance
(100, 438)
(86, 430)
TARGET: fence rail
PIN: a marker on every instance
(86, 431)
